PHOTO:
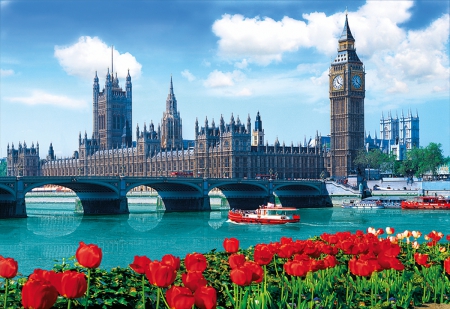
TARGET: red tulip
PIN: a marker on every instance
(236, 260)
(241, 276)
(140, 264)
(205, 297)
(171, 260)
(73, 284)
(447, 265)
(37, 294)
(42, 275)
(160, 275)
(195, 262)
(8, 267)
(286, 251)
(421, 259)
(296, 268)
(262, 254)
(257, 271)
(231, 245)
(179, 297)
(193, 280)
(330, 261)
(89, 256)
(364, 266)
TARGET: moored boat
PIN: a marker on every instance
(266, 214)
(366, 203)
(427, 202)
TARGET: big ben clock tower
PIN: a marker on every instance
(347, 91)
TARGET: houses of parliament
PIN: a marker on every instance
(229, 149)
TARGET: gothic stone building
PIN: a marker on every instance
(230, 149)
(347, 92)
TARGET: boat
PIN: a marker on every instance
(427, 202)
(365, 203)
(387, 201)
(265, 214)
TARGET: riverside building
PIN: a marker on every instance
(229, 149)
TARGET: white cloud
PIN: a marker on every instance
(5, 73)
(262, 40)
(220, 79)
(401, 59)
(188, 75)
(245, 92)
(398, 86)
(241, 65)
(39, 97)
(89, 54)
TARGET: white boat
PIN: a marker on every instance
(366, 203)
(266, 214)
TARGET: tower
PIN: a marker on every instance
(258, 132)
(346, 91)
(171, 124)
(112, 111)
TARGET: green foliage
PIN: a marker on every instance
(420, 161)
(374, 159)
(3, 168)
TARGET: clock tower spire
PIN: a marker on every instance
(347, 92)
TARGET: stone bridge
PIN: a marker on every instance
(108, 195)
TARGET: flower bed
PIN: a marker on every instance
(370, 269)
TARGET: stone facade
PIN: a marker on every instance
(231, 149)
(347, 92)
(397, 135)
(219, 151)
(23, 161)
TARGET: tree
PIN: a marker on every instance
(3, 165)
(423, 160)
(375, 159)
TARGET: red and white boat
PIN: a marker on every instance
(427, 202)
(266, 214)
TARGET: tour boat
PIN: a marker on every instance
(366, 203)
(427, 202)
(266, 214)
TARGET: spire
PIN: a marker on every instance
(171, 85)
(346, 33)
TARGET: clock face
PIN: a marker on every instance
(338, 82)
(356, 81)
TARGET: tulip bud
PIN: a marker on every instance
(416, 234)
(390, 230)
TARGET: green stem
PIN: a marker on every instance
(6, 291)
(88, 288)
(157, 297)
(143, 291)
(265, 287)
(69, 303)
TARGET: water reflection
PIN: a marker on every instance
(217, 218)
(144, 222)
(54, 226)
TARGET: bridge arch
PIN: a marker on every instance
(301, 195)
(176, 194)
(243, 194)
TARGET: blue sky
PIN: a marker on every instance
(225, 57)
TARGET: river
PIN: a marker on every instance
(53, 231)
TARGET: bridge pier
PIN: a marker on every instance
(247, 203)
(305, 201)
(13, 209)
(186, 204)
(106, 206)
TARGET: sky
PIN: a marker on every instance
(225, 58)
